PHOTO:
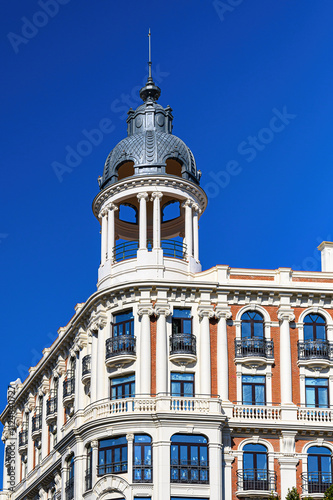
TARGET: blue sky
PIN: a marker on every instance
(227, 69)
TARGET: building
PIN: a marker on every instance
(173, 383)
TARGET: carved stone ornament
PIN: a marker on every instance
(142, 196)
(145, 310)
(156, 195)
(61, 366)
(94, 444)
(162, 310)
(98, 322)
(206, 312)
(286, 314)
(82, 338)
(223, 312)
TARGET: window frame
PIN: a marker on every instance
(252, 323)
(316, 391)
(314, 325)
(182, 382)
(181, 320)
(188, 468)
(253, 386)
(116, 325)
(110, 468)
(123, 385)
(142, 466)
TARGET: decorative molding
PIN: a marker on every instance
(223, 312)
(142, 196)
(162, 310)
(206, 312)
(286, 314)
(148, 309)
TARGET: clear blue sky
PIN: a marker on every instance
(223, 69)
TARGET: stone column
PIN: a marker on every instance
(196, 212)
(205, 369)
(215, 470)
(142, 197)
(156, 197)
(64, 477)
(94, 457)
(162, 349)
(285, 315)
(227, 462)
(93, 379)
(130, 439)
(287, 461)
(78, 373)
(188, 227)
(223, 314)
(31, 443)
(161, 466)
(111, 231)
(79, 473)
(45, 429)
(145, 355)
(104, 231)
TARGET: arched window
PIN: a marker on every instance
(252, 325)
(314, 327)
(319, 469)
(255, 467)
(128, 213)
(69, 489)
(142, 459)
(170, 210)
(189, 459)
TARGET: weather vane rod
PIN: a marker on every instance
(149, 62)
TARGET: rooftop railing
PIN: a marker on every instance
(128, 249)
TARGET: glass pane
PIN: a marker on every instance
(203, 455)
(247, 394)
(308, 332)
(142, 438)
(255, 447)
(248, 462)
(184, 438)
(246, 330)
(124, 456)
(326, 464)
(188, 389)
(323, 397)
(174, 454)
(316, 381)
(187, 326)
(181, 313)
(176, 326)
(175, 389)
(194, 455)
(147, 455)
(118, 318)
(108, 455)
(258, 330)
(255, 379)
(310, 396)
(319, 450)
(122, 380)
(312, 463)
(137, 455)
(321, 332)
(260, 394)
(182, 376)
(101, 459)
(261, 461)
(183, 454)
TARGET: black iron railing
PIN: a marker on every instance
(86, 365)
(52, 403)
(173, 248)
(315, 349)
(316, 482)
(114, 468)
(23, 435)
(254, 347)
(88, 479)
(69, 385)
(142, 473)
(256, 479)
(124, 344)
(37, 420)
(128, 249)
(124, 251)
(69, 489)
(193, 471)
(183, 343)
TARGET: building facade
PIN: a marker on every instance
(170, 382)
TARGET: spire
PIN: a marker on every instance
(150, 91)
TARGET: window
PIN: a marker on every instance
(170, 210)
(88, 476)
(112, 456)
(252, 325)
(189, 459)
(319, 469)
(254, 390)
(123, 324)
(316, 392)
(123, 387)
(255, 467)
(181, 321)
(69, 489)
(142, 459)
(128, 213)
(182, 384)
(314, 327)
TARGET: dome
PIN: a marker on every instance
(150, 147)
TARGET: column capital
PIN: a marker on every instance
(156, 195)
(187, 203)
(286, 314)
(162, 310)
(130, 437)
(111, 207)
(103, 213)
(147, 309)
(206, 312)
(196, 208)
(142, 196)
(223, 312)
(94, 444)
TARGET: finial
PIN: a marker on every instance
(150, 90)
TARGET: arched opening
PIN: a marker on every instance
(128, 213)
(170, 210)
(252, 325)
(255, 468)
(319, 476)
(314, 327)
(173, 167)
(125, 170)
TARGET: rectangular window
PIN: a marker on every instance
(123, 324)
(182, 385)
(181, 321)
(123, 387)
(112, 456)
(142, 459)
(254, 390)
(316, 392)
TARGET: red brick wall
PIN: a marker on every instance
(213, 356)
(153, 325)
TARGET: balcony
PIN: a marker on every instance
(51, 408)
(316, 482)
(69, 489)
(258, 349)
(183, 348)
(120, 350)
(252, 481)
(257, 413)
(37, 424)
(112, 468)
(23, 439)
(86, 369)
(128, 250)
(189, 472)
(69, 389)
(315, 415)
(88, 479)
(315, 352)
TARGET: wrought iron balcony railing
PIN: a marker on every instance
(69, 385)
(183, 343)
(256, 479)
(129, 249)
(113, 468)
(142, 473)
(253, 347)
(316, 482)
(315, 349)
(88, 479)
(116, 346)
(37, 420)
(86, 365)
(189, 471)
(23, 435)
(69, 489)
(52, 404)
